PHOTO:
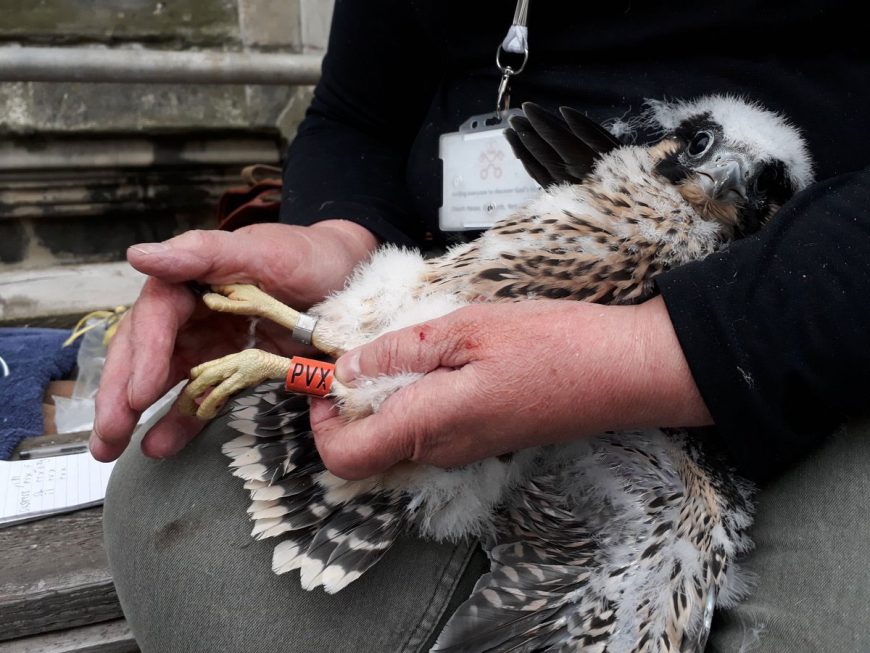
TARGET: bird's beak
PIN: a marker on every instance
(722, 176)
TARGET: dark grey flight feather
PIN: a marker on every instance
(589, 131)
(353, 540)
(284, 488)
(271, 394)
(535, 169)
(556, 151)
(578, 158)
(289, 553)
(541, 161)
(331, 540)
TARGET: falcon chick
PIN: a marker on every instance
(622, 542)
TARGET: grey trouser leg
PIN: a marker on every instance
(191, 578)
(812, 533)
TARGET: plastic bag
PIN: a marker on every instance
(77, 413)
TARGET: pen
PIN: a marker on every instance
(56, 450)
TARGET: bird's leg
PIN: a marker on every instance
(230, 374)
(245, 299)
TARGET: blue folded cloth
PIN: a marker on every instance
(30, 359)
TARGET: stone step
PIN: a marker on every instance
(83, 199)
(55, 576)
(106, 637)
(65, 292)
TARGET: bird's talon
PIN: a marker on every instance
(186, 405)
(226, 376)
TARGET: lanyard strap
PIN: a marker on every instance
(516, 41)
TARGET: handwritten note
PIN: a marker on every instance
(30, 489)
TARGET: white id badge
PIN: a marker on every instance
(483, 180)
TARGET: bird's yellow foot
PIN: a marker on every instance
(245, 299)
(226, 376)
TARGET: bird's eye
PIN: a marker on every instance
(700, 143)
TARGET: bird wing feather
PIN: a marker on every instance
(555, 149)
(331, 530)
(586, 562)
(589, 131)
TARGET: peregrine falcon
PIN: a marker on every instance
(621, 542)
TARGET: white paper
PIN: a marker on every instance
(49, 486)
(483, 181)
(30, 489)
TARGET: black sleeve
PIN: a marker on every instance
(349, 157)
(776, 329)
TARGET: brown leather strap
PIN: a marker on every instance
(258, 172)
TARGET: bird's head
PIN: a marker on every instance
(731, 159)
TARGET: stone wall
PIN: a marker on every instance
(86, 169)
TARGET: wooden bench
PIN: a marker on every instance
(56, 591)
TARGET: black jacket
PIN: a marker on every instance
(776, 328)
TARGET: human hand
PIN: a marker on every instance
(169, 330)
(502, 377)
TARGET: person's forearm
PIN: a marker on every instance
(666, 394)
(359, 240)
(622, 368)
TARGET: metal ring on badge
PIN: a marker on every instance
(304, 328)
(502, 103)
(506, 68)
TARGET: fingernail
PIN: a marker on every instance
(130, 390)
(149, 248)
(347, 367)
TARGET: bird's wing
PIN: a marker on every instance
(333, 530)
(609, 550)
(555, 150)
(590, 132)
